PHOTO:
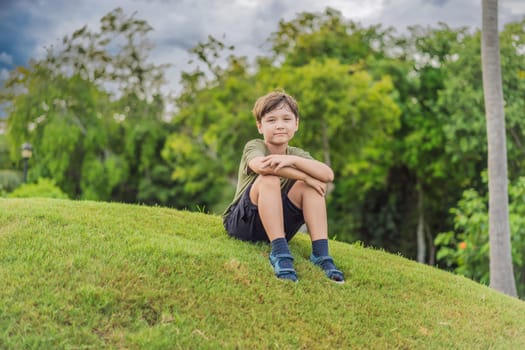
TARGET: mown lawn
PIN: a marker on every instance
(91, 275)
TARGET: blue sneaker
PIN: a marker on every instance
(283, 266)
(327, 264)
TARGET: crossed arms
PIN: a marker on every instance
(312, 172)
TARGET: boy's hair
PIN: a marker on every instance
(274, 100)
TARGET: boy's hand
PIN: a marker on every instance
(278, 161)
(317, 185)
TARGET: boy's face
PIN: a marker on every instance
(278, 126)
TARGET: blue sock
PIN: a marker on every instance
(320, 247)
(280, 246)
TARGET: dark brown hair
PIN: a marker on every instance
(272, 101)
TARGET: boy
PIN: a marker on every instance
(280, 188)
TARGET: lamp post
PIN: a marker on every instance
(27, 152)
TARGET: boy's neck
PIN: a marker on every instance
(276, 149)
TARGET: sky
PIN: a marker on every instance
(27, 27)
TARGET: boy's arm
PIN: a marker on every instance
(262, 165)
(296, 174)
(273, 163)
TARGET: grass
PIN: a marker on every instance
(91, 275)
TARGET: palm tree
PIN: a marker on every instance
(501, 271)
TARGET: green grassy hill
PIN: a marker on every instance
(88, 275)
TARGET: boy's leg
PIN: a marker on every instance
(313, 206)
(265, 193)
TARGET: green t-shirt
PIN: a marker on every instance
(257, 148)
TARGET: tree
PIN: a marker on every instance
(327, 35)
(93, 111)
(501, 270)
(466, 249)
(441, 145)
(411, 206)
(65, 119)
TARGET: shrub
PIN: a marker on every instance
(9, 180)
(43, 188)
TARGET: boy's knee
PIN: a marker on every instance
(270, 180)
(303, 187)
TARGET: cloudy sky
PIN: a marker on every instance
(28, 26)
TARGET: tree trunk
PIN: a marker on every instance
(501, 271)
(421, 244)
(431, 247)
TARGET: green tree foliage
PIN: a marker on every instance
(465, 249)
(327, 35)
(411, 206)
(116, 55)
(93, 113)
(69, 122)
(459, 110)
(465, 132)
(440, 148)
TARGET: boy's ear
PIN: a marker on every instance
(259, 126)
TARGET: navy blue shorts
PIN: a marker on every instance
(243, 221)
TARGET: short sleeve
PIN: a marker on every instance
(252, 149)
(294, 151)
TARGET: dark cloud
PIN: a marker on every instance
(6, 6)
(26, 26)
(16, 45)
